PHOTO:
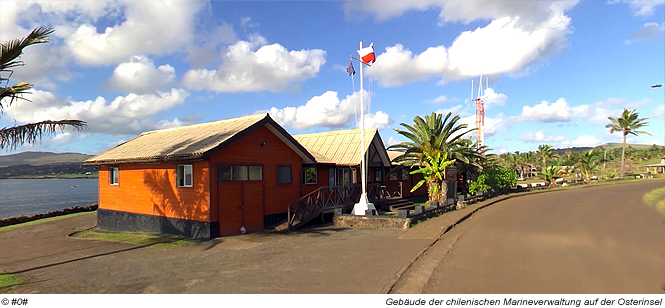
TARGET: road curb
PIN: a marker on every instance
(388, 288)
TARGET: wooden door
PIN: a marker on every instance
(229, 195)
(253, 205)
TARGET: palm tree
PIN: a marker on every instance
(589, 162)
(433, 170)
(433, 135)
(545, 152)
(628, 123)
(550, 174)
(11, 137)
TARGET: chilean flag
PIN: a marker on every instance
(367, 54)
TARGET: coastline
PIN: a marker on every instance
(21, 219)
(39, 177)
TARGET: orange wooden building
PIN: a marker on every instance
(201, 181)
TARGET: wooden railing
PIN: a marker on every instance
(312, 204)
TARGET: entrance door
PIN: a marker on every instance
(229, 195)
(240, 199)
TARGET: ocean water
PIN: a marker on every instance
(35, 196)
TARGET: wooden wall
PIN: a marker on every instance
(248, 151)
(151, 189)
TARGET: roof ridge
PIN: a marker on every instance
(338, 131)
(204, 124)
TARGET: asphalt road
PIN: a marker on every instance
(594, 240)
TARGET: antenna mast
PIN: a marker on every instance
(480, 111)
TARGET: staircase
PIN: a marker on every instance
(395, 204)
(328, 198)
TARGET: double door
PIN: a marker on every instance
(240, 204)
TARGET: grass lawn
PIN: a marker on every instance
(43, 220)
(656, 198)
(163, 241)
(9, 281)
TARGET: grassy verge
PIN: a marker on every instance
(162, 241)
(9, 281)
(656, 198)
(43, 220)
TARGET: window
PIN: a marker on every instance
(224, 173)
(113, 176)
(240, 173)
(378, 174)
(405, 174)
(255, 173)
(331, 176)
(283, 174)
(184, 175)
(393, 174)
(309, 176)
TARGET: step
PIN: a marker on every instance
(410, 206)
(400, 204)
(393, 201)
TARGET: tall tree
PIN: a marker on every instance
(628, 123)
(545, 152)
(10, 52)
(432, 136)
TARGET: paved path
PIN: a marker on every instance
(319, 260)
(594, 240)
(588, 243)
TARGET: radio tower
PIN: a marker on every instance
(480, 111)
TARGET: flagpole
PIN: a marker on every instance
(363, 204)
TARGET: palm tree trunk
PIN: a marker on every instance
(443, 197)
(623, 154)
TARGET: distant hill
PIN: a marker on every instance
(609, 146)
(41, 158)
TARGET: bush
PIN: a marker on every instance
(479, 185)
(499, 177)
(493, 178)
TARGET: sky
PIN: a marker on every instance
(554, 70)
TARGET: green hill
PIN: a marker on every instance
(41, 158)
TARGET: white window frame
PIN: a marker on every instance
(181, 175)
(114, 171)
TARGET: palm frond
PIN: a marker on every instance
(11, 137)
(12, 49)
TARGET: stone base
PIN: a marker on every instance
(372, 222)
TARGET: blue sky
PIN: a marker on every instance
(556, 70)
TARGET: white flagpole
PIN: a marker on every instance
(363, 204)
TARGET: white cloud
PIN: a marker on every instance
(378, 120)
(514, 49)
(150, 28)
(455, 110)
(492, 125)
(540, 136)
(390, 141)
(209, 45)
(248, 69)
(327, 110)
(130, 114)
(641, 7)
(459, 11)
(441, 99)
(139, 75)
(558, 111)
(520, 34)
(583, 141)
(492, 98)
(247, 22)
(650, 31)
